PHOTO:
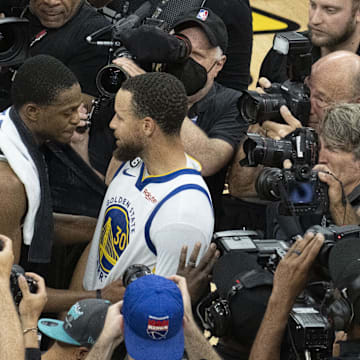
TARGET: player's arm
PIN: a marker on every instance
(13, 207)
(213, 154)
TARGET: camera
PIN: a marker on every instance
(16, 271)
(134, 272)
(257, 108)
(299, 189)
(309, 333)
(14, 41)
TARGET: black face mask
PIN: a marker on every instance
(190, 73)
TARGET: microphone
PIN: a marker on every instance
(120, 26)
(133, 20)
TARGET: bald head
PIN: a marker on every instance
(340, 71)
(335, 78)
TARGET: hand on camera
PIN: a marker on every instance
(335, 191)
(148, 44)
(31, 305)
(291, 274)
(197, 277)
(273, 129)
(129, 66)
(6, 257)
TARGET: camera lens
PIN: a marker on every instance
(266, 184)
(257, 108)
(109, 80)
(7, 38)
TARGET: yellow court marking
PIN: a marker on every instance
(267, 23)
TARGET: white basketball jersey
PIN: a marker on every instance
(126, 221)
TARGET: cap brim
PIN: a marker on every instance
(54, 330)
(185, 23)
(143, 349)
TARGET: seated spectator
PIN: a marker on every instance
(156, 323)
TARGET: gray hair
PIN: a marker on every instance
(340, 128)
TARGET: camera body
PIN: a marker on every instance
(16, 271)
(256, 108)
(134, 272)
(299, 188)
(309, 331)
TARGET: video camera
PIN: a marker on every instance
(152, 53)
(257, 108)
(299, 189)
(14, 41)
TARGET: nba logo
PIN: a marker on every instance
(202, 15)
(158, 327)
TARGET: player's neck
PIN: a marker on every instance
(165, 157)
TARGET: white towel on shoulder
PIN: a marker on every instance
(22, 164)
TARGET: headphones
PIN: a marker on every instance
(338, 305)
(214, 311)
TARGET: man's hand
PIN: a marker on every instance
(181, 283)
(129, 66)
(291, 274)
(31, 305)
(112, 332)
(277, 131)
(335, 191)
(114, 291)
(80, 137)
(6, 257)
(197, 277)
(273, 129)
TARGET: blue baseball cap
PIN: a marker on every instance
(82, 325)
(153, 319)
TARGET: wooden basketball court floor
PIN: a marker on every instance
(269, 17)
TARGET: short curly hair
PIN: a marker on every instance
(40, 80)
(160, 96)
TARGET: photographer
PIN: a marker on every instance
(334, 79)
(332, 26)
(339, 168)
(11, 340)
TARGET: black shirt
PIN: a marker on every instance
(349, 350)
(68, 44)
(273, 66)
(217, 115)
